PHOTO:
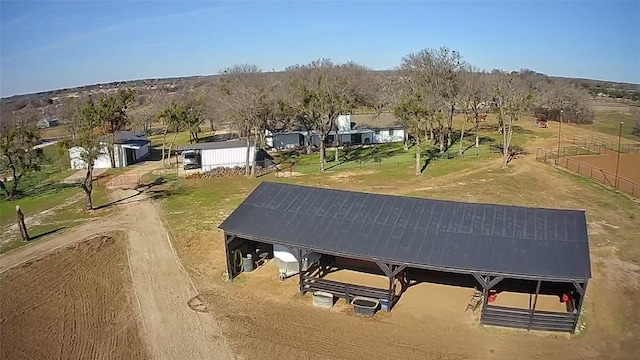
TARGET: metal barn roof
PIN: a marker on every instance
(446, 235)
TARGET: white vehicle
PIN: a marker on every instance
(190, 159)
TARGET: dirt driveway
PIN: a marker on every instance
(163, 290)
(79, 175)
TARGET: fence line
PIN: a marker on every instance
(600, 142)
(348, 161)
(378, 160)
(589, 171)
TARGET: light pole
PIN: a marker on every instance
(559, 130)
(618, 159)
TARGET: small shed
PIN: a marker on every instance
(226, 154)
(129, 148)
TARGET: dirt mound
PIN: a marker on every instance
(73, 304)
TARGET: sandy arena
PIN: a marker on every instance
(602, 168)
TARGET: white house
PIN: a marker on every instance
(388, 134)
(129, 148)
(229, 154)
(346, 134)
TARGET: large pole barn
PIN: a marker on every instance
(502, 247)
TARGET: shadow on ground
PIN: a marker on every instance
(157, 189)
(53, 231)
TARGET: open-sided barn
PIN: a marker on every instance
(501, 248)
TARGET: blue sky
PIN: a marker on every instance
(48, 45)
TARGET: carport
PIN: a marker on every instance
(501, 247)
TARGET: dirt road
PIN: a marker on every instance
(172, 330)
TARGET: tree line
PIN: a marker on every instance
(424, 92)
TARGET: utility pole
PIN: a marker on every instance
(559, 131)
(618, 159)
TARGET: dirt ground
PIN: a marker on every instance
(629, 167)
(162, 289)
(79, 175)
(263, 317)
(259, 316)
(76, 303)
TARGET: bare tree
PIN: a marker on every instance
(414, 111)
(511, 100)
(18, 157)
(437, 72)
(473, 99)
(144, 114)
(244, 89)
(194, 116)
(323, 91)
(90, 144)
(113, 117)
(558, 101)
(173, 116)
(392, 90)
(72, 115)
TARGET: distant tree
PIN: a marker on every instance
(112, 116)
(392, 89)
(561, 101)
(636, 129)
(173, 116)
(244, 89)
(511, 100)
(194, 116)
(145, 112)
(473, 98)
(17, 154)
(437, 72)
(413, 111)
(324, 90)
(72, 115)
(89, 127)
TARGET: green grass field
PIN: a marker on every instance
(608, 122)
(55, 204)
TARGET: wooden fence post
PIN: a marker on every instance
(21, 224)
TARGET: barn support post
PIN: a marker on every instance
(300, 254)
(485, 296)
(226, 251)
(390, 301)
(582, 289)
(483, 283)
(387, 269)
(301, 280)
(394, 273)
(532, 310)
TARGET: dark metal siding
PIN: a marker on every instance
(474, 237)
